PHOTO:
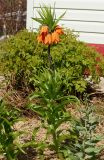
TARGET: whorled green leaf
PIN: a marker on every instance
(47, 16)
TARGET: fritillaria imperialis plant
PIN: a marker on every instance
(50, 31)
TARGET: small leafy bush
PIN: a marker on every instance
(22, 58)
(72, 59)
(19, 60)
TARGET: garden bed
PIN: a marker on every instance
(47, 99)
(29, 121)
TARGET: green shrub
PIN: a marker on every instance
(22, 57)
(72, 59)
(19, 59)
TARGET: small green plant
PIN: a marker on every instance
(84, 145)
(9, 147)
(52, 105)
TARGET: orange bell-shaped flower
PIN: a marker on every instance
(59, 30)
(41, 38)
(43, 34)
(48, 39)
(44, 30)
(55, 37)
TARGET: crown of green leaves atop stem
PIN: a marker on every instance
(48, 17)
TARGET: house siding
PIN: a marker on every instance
(85, 17)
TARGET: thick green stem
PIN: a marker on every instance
(49, 57)
(55, 142)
